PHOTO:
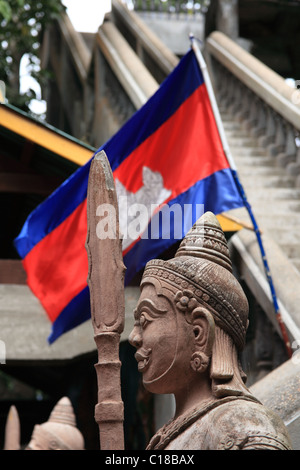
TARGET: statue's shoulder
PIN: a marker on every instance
(245, 424)
(233, 424)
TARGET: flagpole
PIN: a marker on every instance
(213, 102)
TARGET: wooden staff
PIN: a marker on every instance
(106, 285)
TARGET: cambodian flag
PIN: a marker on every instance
(168, 155)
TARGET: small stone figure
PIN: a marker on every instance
(190, 325)
(59, 432)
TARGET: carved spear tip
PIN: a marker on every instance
(12, 430)
(109, 179)
(106, 267)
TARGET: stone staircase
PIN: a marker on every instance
(274, 196)
(270, 190)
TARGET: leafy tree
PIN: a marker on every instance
(22, 23)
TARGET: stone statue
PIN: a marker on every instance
(190, 325)
(59, 432)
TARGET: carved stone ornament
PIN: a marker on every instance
(59, 432)
(190, 325)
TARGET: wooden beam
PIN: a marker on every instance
(45, 136)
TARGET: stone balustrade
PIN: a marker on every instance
(259, 97)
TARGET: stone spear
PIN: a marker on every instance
(106, 285)
(12, 430)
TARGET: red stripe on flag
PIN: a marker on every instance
(185, 149)
(63, 272)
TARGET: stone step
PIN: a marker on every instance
(247, 151)
(273, 207)
(230, 125)
(246, 168)
(284, 211)
(292, 250)
(273, 221)
(268, 209)
(296, 262)
(227, 117)
(233, 132)
(239, 141)
(274, 194)
(276, 225)
(254, 161)
(272, 181)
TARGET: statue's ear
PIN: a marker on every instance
(204, 330)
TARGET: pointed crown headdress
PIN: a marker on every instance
(203, 267)
(60, 431)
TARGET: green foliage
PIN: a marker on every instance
(5, 10)
(22, 23)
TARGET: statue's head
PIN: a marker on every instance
(59, 432)
(192, 316)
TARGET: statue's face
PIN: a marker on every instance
(34, 445)
(40, 440)
(159, 346)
